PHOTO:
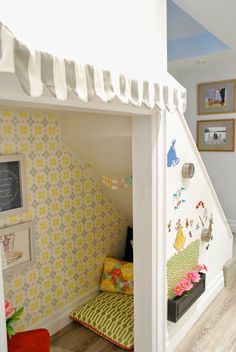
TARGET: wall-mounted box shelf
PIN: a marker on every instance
(179, 305)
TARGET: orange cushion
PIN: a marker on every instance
(117, 276)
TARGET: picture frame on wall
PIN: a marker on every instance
(13, 199)
(17, 245)
(216, 135)
(216, 97)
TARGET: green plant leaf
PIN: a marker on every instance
(10, 331)
(16, 315)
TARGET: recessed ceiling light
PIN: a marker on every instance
(200, 62)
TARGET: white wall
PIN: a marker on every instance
(197, 189)
(220, 166)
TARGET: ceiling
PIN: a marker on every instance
(180, 25)
(200, 32)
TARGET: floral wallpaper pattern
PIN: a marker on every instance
(76, 226)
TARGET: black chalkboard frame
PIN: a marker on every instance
(18, 183)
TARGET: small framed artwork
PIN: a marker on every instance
(17, 245)
(12, 185)
(216, 135)
(216, 97)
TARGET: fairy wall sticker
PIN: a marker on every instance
(191, 221)
(206, 235)
(205, 214)
(206, 222)
(178, 198)
(172, 159)
(186, 223)
(203, 224)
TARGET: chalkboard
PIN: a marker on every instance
(10, 186)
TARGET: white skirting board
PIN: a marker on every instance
(60, 318)
(232, 224)
(177, 331)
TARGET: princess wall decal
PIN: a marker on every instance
(180, 238)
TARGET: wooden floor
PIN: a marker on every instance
(215, 331)
(77, 338)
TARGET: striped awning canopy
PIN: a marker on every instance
(37, 70)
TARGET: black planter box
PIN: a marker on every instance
(179, 305)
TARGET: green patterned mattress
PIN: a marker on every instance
(110, 315)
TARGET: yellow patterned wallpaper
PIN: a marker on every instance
(76, 226)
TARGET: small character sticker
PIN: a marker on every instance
(200, 205)
(205, 214)
(172, 159)
(191, 221)
(206, 235)
(201, 221)
(186, 223)
(178, 199)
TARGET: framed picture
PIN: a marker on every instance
(17, 245)
(12, 185)
(216, 135)
(217, 97)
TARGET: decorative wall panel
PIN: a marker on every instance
(76, 225)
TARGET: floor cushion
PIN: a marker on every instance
(110, 315)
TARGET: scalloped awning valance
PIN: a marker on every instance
(36, 70)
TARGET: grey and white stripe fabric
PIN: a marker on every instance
(37, 71)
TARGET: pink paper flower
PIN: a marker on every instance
(9, 310)
(185, 284)
(193, 276)
(201, 267)
(178, 291)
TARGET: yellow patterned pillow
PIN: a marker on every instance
(117, 276)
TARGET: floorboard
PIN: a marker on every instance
(215, 331)
(76, 338)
